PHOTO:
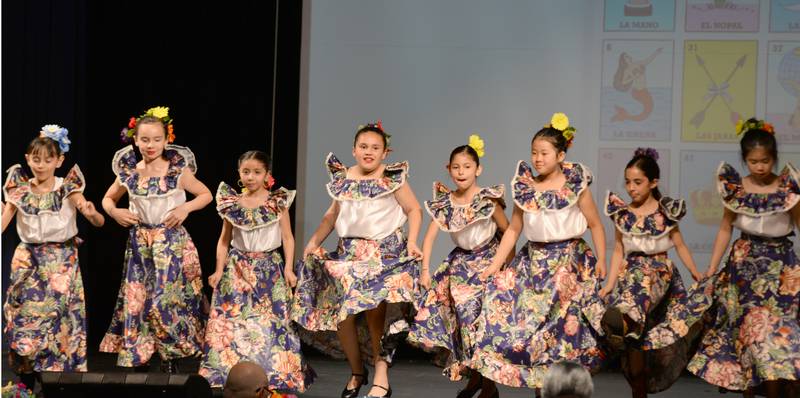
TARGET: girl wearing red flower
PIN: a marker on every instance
(369, 282)
(254, 272)
(748, 312)
(159, 303)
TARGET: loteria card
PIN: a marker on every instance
(636, 93)
(722, 15)
(784, 16)
(719, 88)
(639, 15)
(783, 89)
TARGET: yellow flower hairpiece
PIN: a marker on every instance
(559, 121)
(739, 125)
(158, 111)
(743, 126)
(476, 143)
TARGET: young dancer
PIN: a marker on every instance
(447, 311)
(747, 314)
(375, 268)
(45, 315)
(158, 307)
(544, 307)
(643, 282)
(249, 318)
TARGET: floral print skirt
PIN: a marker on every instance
(249, 321)
(359, 276)
(648, 287)
(159, 303)
(745, 317)
(44, 312)
(447, 312)
(543, 308)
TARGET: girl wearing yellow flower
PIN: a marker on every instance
(161, 258)
(552, 285)
(747, 313)
(447, 310)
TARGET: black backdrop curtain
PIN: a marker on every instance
(90, 65)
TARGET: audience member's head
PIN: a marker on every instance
(246, 380)
(567, 380)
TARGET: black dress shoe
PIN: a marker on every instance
(614, 327)
(353, 392)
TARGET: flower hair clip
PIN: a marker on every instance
(159, 112)
(649, 152)
(476, 143)
(743, 126)
(378, 125)
(560, 122)
(57, 134)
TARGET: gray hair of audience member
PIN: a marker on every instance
(567, 379)
(246, 380)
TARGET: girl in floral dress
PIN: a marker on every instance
(44, 312)
(249, 318)
(747, 314)
(544, 307)
(375, 268)
(159, 302)
(447, 311)
(643, 283)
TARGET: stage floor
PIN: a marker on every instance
(414, 378)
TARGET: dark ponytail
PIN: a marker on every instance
(554, 136)
(376, 128)
(467, 150)
(259, 156)
(758, 138)
(645, 159)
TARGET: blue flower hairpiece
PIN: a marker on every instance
(57, 134)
